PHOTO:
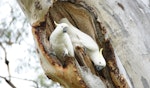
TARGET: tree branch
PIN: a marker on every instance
(6, 60)
(26, 80)
(8, 81)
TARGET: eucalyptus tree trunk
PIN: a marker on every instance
(120, 27)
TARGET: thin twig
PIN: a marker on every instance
(26, 80)
(8, 81)
(6, 60)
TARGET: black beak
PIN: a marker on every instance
(64, 29)
(99, 67)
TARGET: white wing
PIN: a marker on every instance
(68, 45)
(85, 39)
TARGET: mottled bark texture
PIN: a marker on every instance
(119, 27)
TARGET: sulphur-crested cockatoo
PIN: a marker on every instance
(60, 42)
(79, 38)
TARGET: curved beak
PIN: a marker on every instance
(99, 67)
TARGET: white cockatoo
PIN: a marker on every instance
(80, 38)
(61, 42)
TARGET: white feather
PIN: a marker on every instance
(61, 42)
(79, 38)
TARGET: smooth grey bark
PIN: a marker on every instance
(128, 24)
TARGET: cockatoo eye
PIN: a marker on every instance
(64, 29)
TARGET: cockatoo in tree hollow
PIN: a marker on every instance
(61, 42)
(81, 39)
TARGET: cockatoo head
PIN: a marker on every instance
(62, 26)
(102, 63)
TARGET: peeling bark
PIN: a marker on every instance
(112, 24)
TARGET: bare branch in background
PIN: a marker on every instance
(8, 81)
(11, 34)
(37, 86)
(13, 86)
(9, 75)
(6, 60)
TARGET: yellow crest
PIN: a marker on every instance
(55, 23)
(101, 51)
